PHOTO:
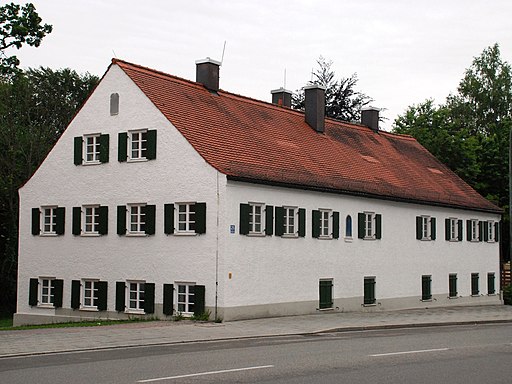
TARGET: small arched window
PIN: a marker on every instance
(114, 104)
(348, 226)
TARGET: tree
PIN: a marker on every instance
(19, 25)
(470, 131)
(342, 101)
(35, 108)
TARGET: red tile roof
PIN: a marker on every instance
(251, 140)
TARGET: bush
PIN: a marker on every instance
(507, 294)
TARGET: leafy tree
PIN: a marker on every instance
(470, 131)
(342, 101)
(19, 25)
(35, 108)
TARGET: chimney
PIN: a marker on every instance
(315, 106)
(207, 73)
(370, 118)
(282, 97)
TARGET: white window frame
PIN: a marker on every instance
(91, 149)
(473, 230)
(185, 218)
(137, 145)
(49, 228)
(135, 217)
(89, 299)
(369, 225)
(46, 292)
(454, 229)
(290, 220)
(256, 219)
(90, 227)
(426, 228)
(135, 302)
(325, 223)
(183, 299)
(490, 231)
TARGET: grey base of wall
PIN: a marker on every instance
(261, 311)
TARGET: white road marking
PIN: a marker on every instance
(205, 373)
(409, 352)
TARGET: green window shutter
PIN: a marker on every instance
(104, 148)
(315, 223)
(325, 293)
(378, 226)
(122, 150)
(269, 220)
(103, 220)
(151, 151)
(361, 225)
(426, 282)
(245, 210)
(302, 222)
(480, 231)
(279, 221)
(168, 299)
(369, 291)
(36, 221)
(58, 287)
(121, 220)
(335, 225)
(168, 219)
(433, 228)
(496, 231)
(460, 230)
(102, 295)
(200, 218)
(474, 284)
(75, 294)
(491, 290)
(77, 221)
(468, 230)
(486, 231)
(33, 292)
(149, 297)
(120, 296)
(60, 213)
(453, 285)
(199, 295)
(419, 229)
(78, 150)
(447, 229)
(150, 211)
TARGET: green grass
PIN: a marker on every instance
(5, 321)
(6, 324)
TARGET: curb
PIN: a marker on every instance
(329, 330)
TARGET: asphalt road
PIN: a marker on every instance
(458, 354)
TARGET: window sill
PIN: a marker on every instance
(478, 295)
(492, 294)
(426, 300)
(91, 162)
(290, 236)
(185, 234)
(89, 309)
(453, 240)
(256, 235)
(453, 297)
(325, 309)
(89, 234)
(46, 306)
(134, 312)
(134, 234)
(348, 239)
(325, 237)
(48, 235)
(426, 239)
(136, 160)
(369, 305)
(370, 238)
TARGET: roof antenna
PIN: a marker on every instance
(223, 49)
(284, 86)
(114, 53)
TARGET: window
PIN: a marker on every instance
(91, 219)
(475, 290)
(45, 292)
(325, 289)
(256, 219)
(452, 285)
(369, 291)
(48, 220)
(91, 149)
(453, 229)
(137, 145)
(290, 221)
(90, 294)
(426, 287)
(186, 217)
(491, 287)
(186, 298)
(348, 226)
(369, 225)
(137, 218)
(114, 104)
(473, 230)
(135, 296)
(425, 228)
(490, 230)
(326, 224)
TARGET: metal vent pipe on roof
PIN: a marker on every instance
(282, 97)
(207, 73)
(314, 99)
(370, 118)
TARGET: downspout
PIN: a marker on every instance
(217, 252)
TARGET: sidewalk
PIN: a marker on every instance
(51, 340)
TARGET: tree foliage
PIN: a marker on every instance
(470, 131)
(35, 108)
(19, 25)
(342, 101)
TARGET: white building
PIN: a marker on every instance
(165, 195)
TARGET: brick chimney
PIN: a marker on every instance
(207, 73)
(282, 97)
(315, 106)
(370, 118)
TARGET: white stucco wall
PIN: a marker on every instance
(272, 269)
(178, 174)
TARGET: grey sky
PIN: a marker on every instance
(403, 51)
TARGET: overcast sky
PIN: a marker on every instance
(403, 51)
